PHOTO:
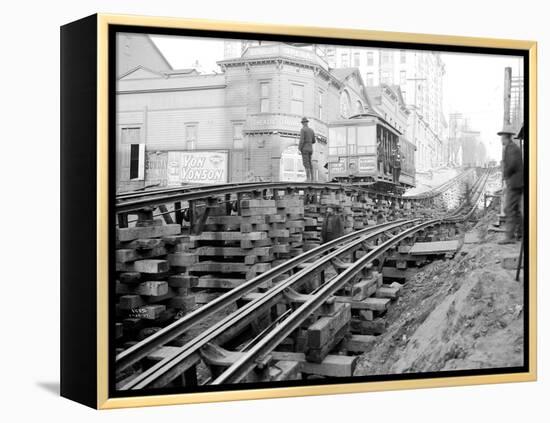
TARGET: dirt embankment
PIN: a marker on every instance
(461, 313)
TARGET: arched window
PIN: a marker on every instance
(345, 104)
(359, 107)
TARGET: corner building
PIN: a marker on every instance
(248, 115)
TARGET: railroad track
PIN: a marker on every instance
(136, 201)
(441, 188)
(362, 248)
(142, 349)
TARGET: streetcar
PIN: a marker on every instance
(362, 150)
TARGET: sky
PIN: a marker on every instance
(473, 83)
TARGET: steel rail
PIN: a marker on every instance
(166, 370)
(145, 347)
(183, 188)
(477, 191)
(137, 201)
(434, 192)
(247, 361)
(202, 193)
(142, 349)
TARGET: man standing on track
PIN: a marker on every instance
(512, 172)
(307, 139)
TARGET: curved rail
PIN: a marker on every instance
(166, 370)
(248, 361)
(439, 189)
(180, 326)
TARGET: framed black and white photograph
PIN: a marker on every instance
(286, 211)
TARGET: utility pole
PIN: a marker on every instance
(507, 95)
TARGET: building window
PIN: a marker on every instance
(402, 78)
(359, 107)
(384, 57)
(191, 136)
(320, 110)
(385, 77)
(137, 161)
(370, 58)
(345, 60)
(132, 136)
(404, 94)
(238, 135)
(297, 99)
(357, 59)
(403, 56)
(370, 79)
(264, 97)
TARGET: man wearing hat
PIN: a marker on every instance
(512, 172)
(307, 139)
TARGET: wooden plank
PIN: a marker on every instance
(233, 251)
(130, 234)
(129, 255)
(390, 291)
(434, 247)
(323, 330)
(229, 236)
(183, 281)
(149, 312)
(365, 327)
(360, 343)
(149, 288)
(143, 244)
(254, 211)
(247, 204)
(332, 365)
(236, 220)
(129, 302)
(219, 283)
(144, 266)
(365, 288)
(396, 274)
(376, 304)
(317, 355)
(182, 259)
(183, 302)
(130, 277)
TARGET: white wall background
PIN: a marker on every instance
(29, 76)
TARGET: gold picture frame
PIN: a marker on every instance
(103, 22)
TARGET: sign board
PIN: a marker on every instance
(197, 167)
(367, 164)
(155, 168)
(283, 122)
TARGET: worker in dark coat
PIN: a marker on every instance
(307, 139)
(396, 159)
(333, 225)
(512, 172)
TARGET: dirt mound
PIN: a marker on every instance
(462, 313)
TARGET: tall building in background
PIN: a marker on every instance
(453, 150)
(419, 74)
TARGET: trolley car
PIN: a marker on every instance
(365, 149)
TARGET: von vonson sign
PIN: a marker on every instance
(200, 167)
